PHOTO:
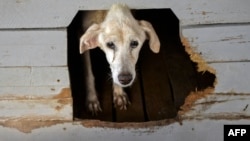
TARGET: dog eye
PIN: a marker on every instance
(110, 45)
(134, 44)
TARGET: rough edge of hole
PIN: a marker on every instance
(129, 125)
(202, 67)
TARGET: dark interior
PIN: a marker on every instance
(163, 80)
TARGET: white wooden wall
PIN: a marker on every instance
(34, 77)
(33, 45)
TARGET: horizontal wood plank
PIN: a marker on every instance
(188, 129)
(21, 14)
(221, 104)
(34, 92)
(232, 77)
(33, 48)
(220, 43)
(34, 76)
(206, 12)
(39, 109)
(36, 14)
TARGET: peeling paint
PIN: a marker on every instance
(223, 116)
(65, 93)
(63, 102)
(202, 65)
(36, 112)
(130, 125)
(27, 124)
(192, 98)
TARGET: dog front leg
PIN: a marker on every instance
(120, 98)
(92, 101)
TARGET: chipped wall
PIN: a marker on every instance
(35, 93)
(34, 83)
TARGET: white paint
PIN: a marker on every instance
(33, 48)
(33, 60)
(29, 92)
(36, 14)
(212, 12)
(32, 92)
(190, 130)
(221, 105)
(15, 76)
(49, 76)
(232, 77)
(34, 76)
(22, 15)
(220, 43)
(36, 109)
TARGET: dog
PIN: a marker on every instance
(120, 36)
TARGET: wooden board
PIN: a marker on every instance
(34, 76)
(31, 14)
(206, 12)
(30, 92)
(221, 105)
(232, 77)
(220, 43)
(157, 90)
(189, 129)
(33, 48)
(182, 77)
(37, 109)
(106, 101)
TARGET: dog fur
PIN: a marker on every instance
(120, 36)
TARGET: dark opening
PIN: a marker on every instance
(163, 81)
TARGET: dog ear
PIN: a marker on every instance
(154, 42)
(89, 39)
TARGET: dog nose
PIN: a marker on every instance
(125, 78)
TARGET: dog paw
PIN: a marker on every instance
(94, 107)
(121, 100)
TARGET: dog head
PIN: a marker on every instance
(121, 37)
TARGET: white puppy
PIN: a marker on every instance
(121, 37)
